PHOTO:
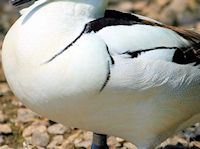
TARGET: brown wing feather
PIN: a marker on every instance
(187, 34)
(194, 39)
(189, 54)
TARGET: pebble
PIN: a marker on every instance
(40, 139)
(2, 117)
(4, 89)
(129, 145)
(33, 128)
(82, 144)
(120, 140)
(72, 137)
(5, 147)
(57, 129)
(113, 142)
(41, 123)
(67, 145)
(87, 135)
(194, 144)
(56, 141)
(1, 140)
(174, 141)
(5, 129)
(25, 115)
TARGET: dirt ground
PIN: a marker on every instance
(22, 128)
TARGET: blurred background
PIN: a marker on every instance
(22, 128)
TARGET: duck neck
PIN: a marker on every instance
(77, 8)
(90, 8)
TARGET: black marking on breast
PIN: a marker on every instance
(107, 78)
(111, 58)
(71, 44)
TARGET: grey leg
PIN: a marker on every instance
(99, 141)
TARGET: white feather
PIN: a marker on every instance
(146, 98)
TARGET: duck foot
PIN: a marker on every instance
(99, 141)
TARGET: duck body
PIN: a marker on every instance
(114, 73)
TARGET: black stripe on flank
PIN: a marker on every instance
(187, 55)
(107, 78)
(182, 55)
(135, 54)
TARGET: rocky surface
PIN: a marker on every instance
(22, 128)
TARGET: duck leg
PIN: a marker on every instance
(99, 141)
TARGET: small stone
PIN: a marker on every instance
(120, 140)
(82, 144)
(1, 140)
(57, 129)
(194, 144)
(25, 115)
(5, 129)
(175, 141)
(113, 142)
(87, 135)
(67, 145)
(57, 141)
(2, 117)
(27, 141)
(40, 139)
(78, 140)
(4, 89)
(5, 147)
(40, 123)
(16, 102)
(31, 129)
(129, 145)
(74, 136)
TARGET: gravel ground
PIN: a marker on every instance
(22, 128)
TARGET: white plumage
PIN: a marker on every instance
(118, 80)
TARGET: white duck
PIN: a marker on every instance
(105, 71)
